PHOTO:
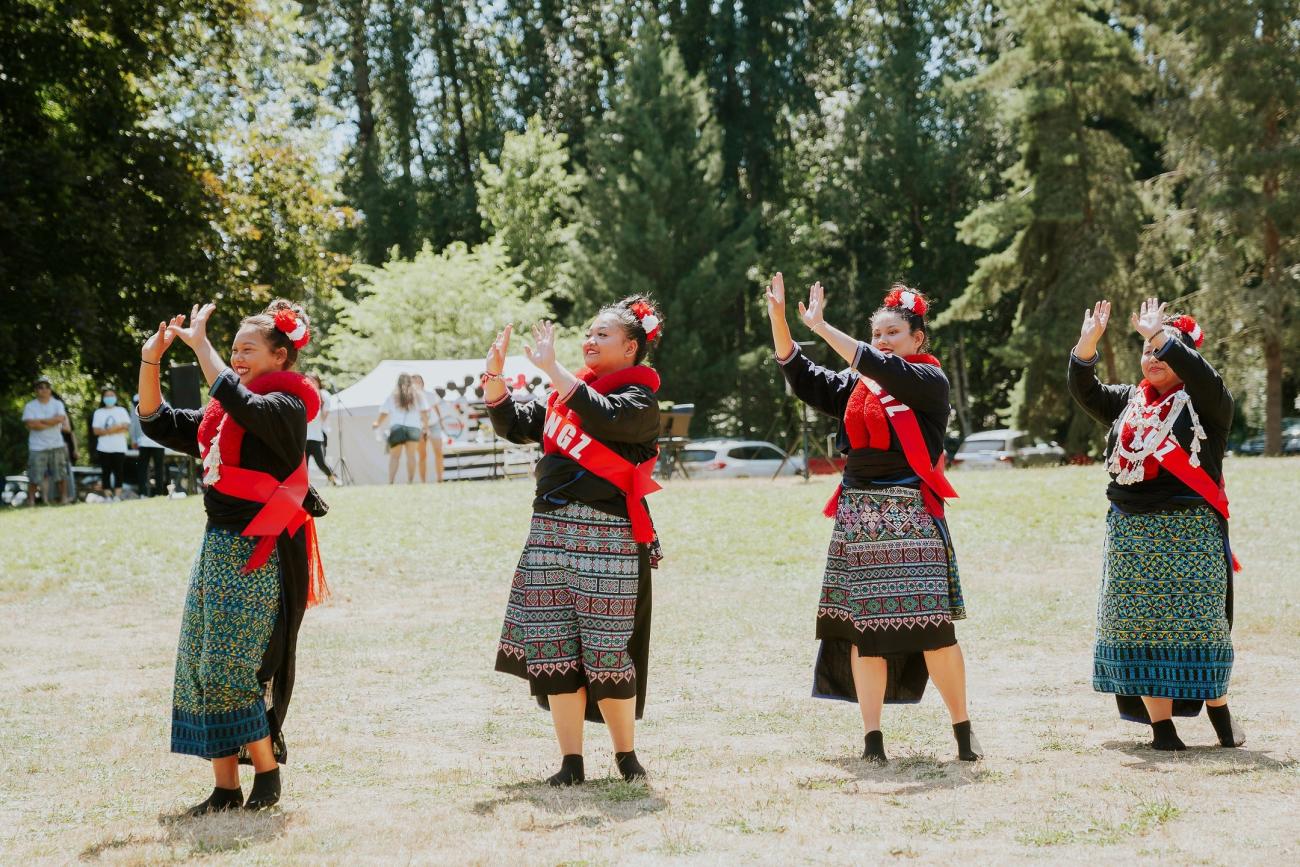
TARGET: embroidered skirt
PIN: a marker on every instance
(218, 701)
(891, 589)
(1163, 615)
(579, 609)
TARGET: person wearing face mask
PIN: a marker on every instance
(110, 425)
(1163, 643)
(258, 568)
(891, 591)
(577, 624)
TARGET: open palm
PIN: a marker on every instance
(814, 312)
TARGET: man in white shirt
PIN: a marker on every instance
(46, 455)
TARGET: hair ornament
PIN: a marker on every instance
(905, 298)
(1188, 326)
(294, 328)
(649, 321)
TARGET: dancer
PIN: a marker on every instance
(1163, 642)
(577, 624)
(891, 590)
(410, 420)
(258, 567)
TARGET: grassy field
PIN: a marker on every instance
(407, 747)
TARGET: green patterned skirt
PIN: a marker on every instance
(218, 701)
(1162, 617)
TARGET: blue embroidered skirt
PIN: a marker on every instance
(218, 701)
(1162, 619)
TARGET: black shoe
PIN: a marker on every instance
(1230, 733)
(218, 802)
(266, 790)
(629, 767)
(570, 773)
(968, 746)
(874, 749)
(1164, 737)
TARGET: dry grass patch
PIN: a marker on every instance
(407, 747)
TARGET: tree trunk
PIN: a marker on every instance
(368, 192)
(1272, 392)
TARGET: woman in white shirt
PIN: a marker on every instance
(410, 419)
(110, 425)
(316, 430)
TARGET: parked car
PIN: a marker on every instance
(1290, 440)
(1006, 448)
(736, 459)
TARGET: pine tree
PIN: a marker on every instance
(656, 220)
(1066, 230)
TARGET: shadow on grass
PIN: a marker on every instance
(222, 832)
(1237, 760)
(911, 774)
(614, 799)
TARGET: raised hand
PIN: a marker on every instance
(160, 340)
(775, 294)
(197, 332)
(1150, 318)
(1094, 326)
(814, 313)
(542, 352)
(496, 357)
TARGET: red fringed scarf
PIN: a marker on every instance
(283, 510)
(867, 426)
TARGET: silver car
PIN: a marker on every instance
(736, 459)
(1005, 449)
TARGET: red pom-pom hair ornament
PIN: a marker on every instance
(293, 327)
(1188, 326)
(649, 321)
(907, 299)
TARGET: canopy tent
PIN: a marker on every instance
(354, 409)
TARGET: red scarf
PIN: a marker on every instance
(562, 434)
(867, 423)
(1128, 435)
(283, 511)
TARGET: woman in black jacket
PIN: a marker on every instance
(1163, 644)
(577, 624)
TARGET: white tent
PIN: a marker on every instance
(354, 409)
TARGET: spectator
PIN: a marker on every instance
(316, 438)
(151, 457)
(433, 433)
(410, 418)
(45, 418)
(110, 425)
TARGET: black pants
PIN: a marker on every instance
(316, 451)
(151, 455)
(111, 465)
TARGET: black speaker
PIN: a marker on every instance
(183, 380)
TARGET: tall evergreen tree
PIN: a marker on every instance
(1234, 119)
(1065, 230)
(656, 219)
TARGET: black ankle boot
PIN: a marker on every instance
(1229, 732)
(628, 766)
(570, 773)
(1165, 737)
(219, 801)
(874, 749)
(968, 747)
(266, 790)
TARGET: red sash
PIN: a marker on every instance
(283, 511)
(562, 433)
(935, 487)
(1175, 459)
